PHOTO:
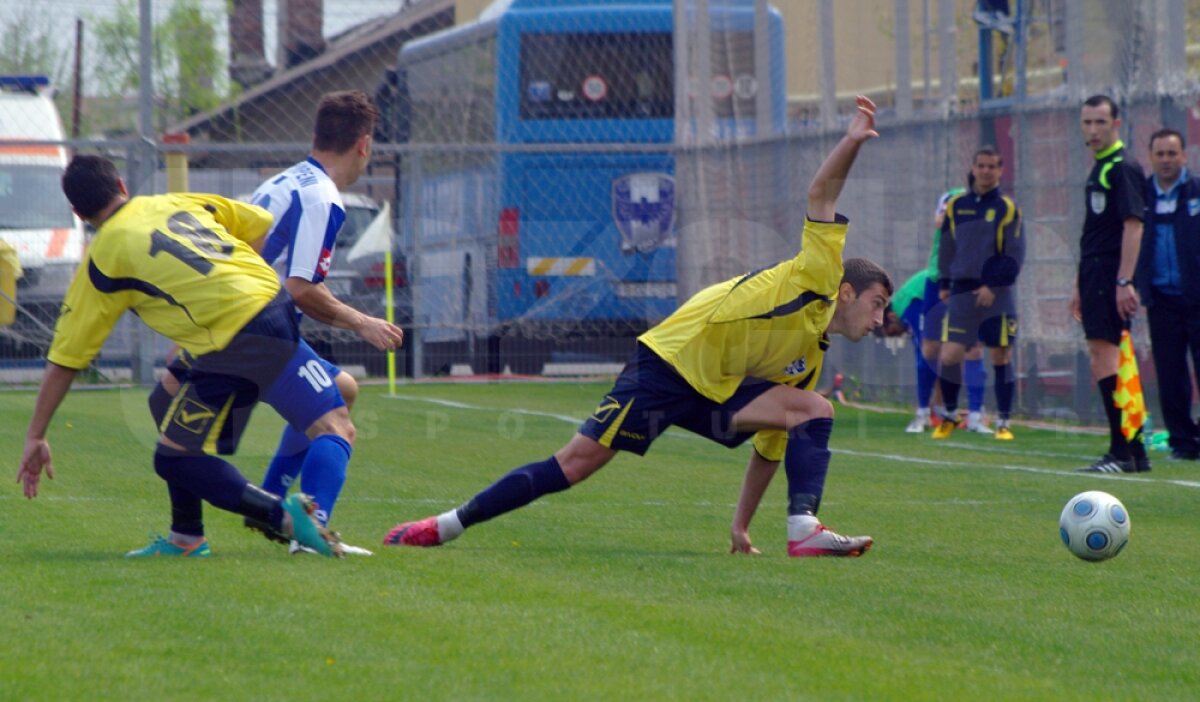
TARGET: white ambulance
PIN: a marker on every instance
(35, 217)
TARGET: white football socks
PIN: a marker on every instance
(449, 528)
(799, 526)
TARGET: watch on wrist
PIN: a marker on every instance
(1124, 282)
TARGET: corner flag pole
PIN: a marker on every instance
(391, 317)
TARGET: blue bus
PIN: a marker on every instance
(544, 204)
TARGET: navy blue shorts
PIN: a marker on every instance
(650, 396)
(266, 361)
(968, 324)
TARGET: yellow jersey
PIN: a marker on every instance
(767, 324)
(181, 262)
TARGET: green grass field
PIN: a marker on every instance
(621, 588)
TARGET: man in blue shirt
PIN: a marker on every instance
(1168, 281)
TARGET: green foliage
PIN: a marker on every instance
(28, 44)
(188, 73)
(618, 589)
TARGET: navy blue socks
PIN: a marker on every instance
(806, 462)
(1005, 386)
(516, 489)
(195, 477)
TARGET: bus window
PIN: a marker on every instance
(597, 76)
(452, 97)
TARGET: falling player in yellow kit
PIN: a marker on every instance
(186, 266)
(737, 360)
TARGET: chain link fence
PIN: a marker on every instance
(548, 201)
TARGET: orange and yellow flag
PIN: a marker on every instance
(1128, 396)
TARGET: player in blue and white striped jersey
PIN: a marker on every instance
(307, 206)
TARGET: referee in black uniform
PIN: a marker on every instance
(1105, 299)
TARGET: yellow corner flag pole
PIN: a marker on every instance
(377, 238)
(391, 317)
(1128, 395)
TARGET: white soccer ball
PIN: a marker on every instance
(1094, 525)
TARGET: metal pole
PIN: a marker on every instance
(682, 50)
(1173, 64)
(1021, 50)
(142, 360)
(947, 68)
(828, 74)
(703, 105)
(762, 70)
(927, 31)
(986, 62)
(414, 218)
(1075, 78)
(904, 96)
(77, 80)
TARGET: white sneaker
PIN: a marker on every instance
(820, 541)
(919, 423)
(296, 548)
(975, 424)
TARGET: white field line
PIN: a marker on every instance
(575, 421)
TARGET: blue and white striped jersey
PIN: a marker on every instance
(308, 213)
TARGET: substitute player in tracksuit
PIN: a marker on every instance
(736, 361)
(982, 249)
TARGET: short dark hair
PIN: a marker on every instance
(91, 183)
(1168, 132)
(1098, 100)
(861, 274)
(342, 119)
(987, 150)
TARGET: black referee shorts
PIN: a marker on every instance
(1098, 298)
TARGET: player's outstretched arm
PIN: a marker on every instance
(316, 301)
(759, 472)
(56, 381)
(827, 184)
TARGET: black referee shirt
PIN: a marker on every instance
(1114, 194)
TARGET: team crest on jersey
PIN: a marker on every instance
(324, 262)
(991, 215)
(643, 208)
(1194, 207)
(1098, 201)
(797, 367)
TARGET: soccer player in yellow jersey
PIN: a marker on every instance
(737, 360)
(185, 264)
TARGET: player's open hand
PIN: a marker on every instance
(740, 543)
(862, 127)
(381, 334)
(35, 457)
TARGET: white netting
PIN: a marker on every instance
(556, 184)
